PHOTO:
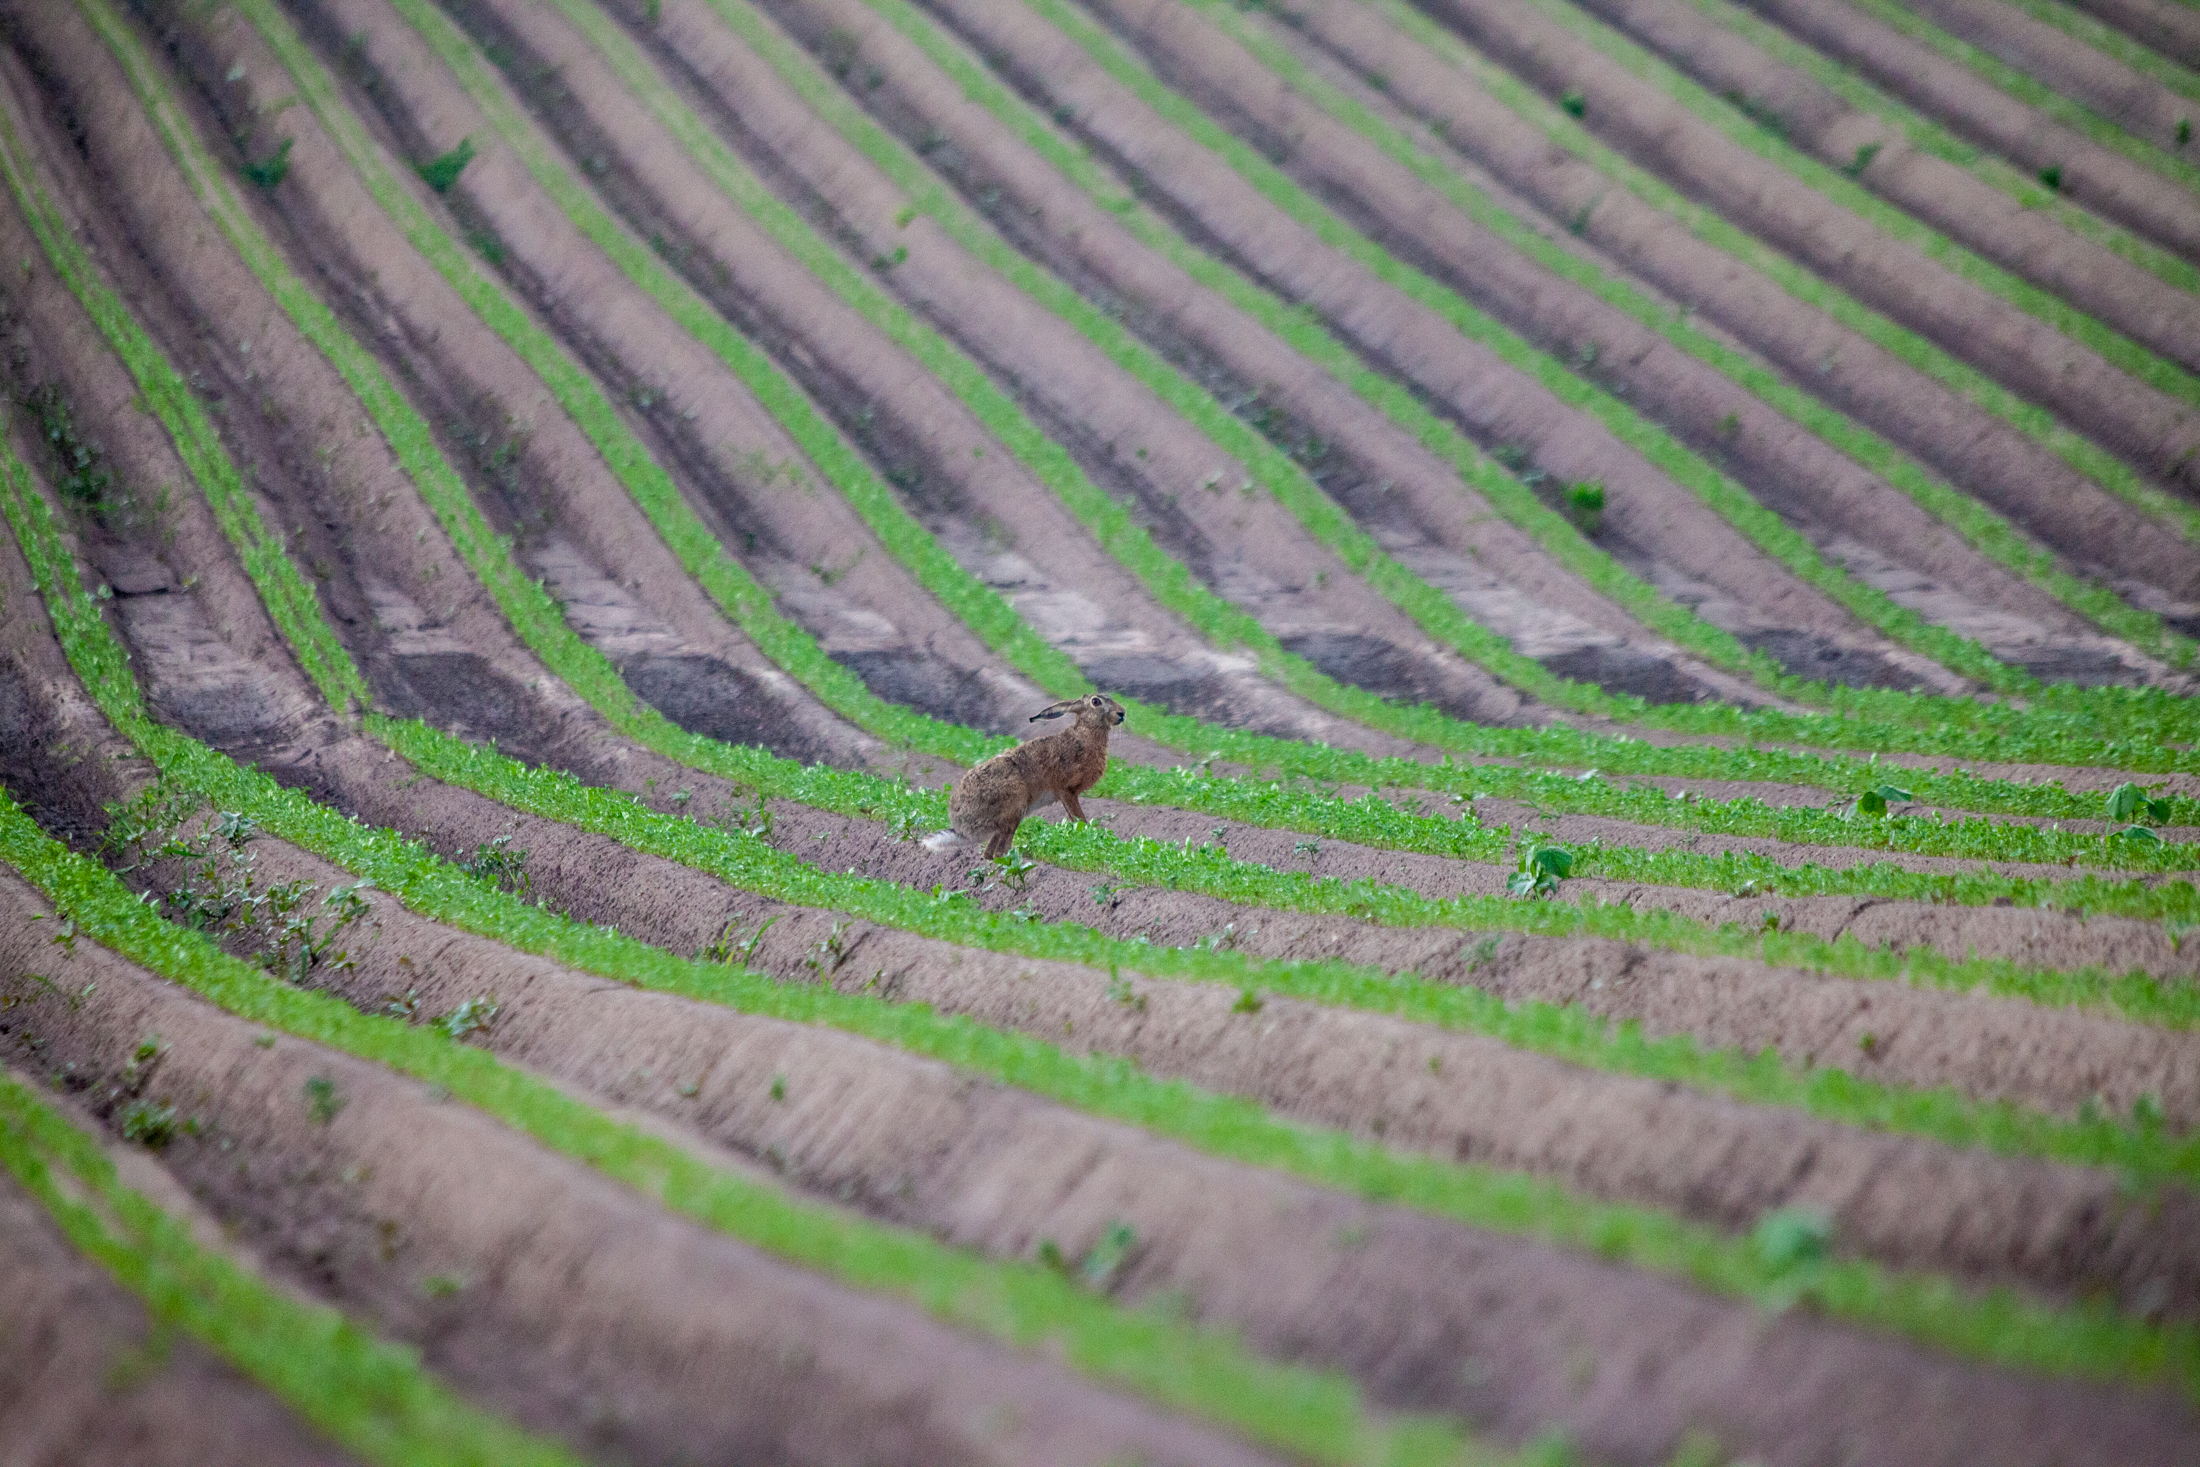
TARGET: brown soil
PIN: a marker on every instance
(2135, 422)
(580, 1308)
(1984, 455)
(90, 1378)
(1661, 530)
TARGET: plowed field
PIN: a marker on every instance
(1651, 551)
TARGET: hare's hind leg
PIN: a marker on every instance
(1003, 838)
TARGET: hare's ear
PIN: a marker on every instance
(1067, 705)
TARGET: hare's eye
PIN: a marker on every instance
(1095, 702)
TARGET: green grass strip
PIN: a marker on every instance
(2002, 1327)
(1708, 226)
(1981, 528)
(1760, 526)
(371, 1397)
(1928, 136)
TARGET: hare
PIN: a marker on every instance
(996, 795)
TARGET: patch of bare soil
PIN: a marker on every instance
(2163, 24)
(532, 1284)
(87, 1376)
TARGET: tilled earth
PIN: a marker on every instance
(611, 465)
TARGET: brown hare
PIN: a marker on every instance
(996, 795)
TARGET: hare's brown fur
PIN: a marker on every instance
(995, 796)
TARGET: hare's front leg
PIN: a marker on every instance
(1069, 803)
(1003, 838)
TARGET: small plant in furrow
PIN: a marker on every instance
(441, 171)
(1541, 869)
(271, 170)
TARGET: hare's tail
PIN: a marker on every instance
(944, 840)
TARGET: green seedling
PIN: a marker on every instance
(1108, 1256)
(322, 1101)
(498, 864)
(1248, 1002)
(150, 1125)
(439, 173)
(1575, 103)
(474, 1016)
(1865, 152)
(1794, 1245)
(779, 1089)
(1016, 869)
(1542, 868)
(141, 1062)
(1585, 505)
(272, 169)
(2129, 802)
(2139, 835)
(2052, 177)
(1874, 802)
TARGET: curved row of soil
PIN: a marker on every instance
(2138, 104)
(1414, 505)
(2099, 178)
(987, 505)
(90, 1378)
(2135, 422)
(1834, 501)
(1980, 453)
(1666, 534)
(1967, 209)
(531, 1284)
(1244, 545)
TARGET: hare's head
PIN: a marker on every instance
(1096, 710)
